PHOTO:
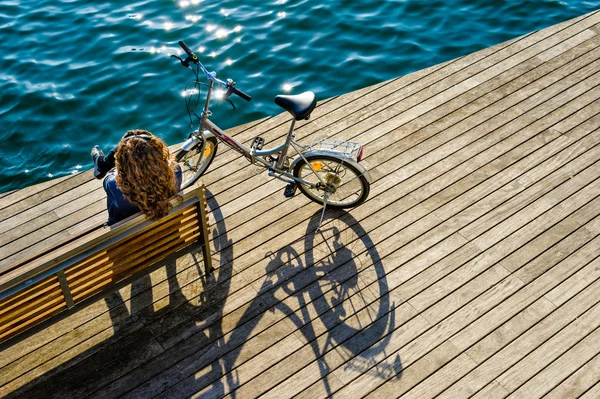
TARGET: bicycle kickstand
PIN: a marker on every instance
(325, 199)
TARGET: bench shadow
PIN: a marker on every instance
(336, 297)
(141, 331)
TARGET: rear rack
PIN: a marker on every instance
(347, 149)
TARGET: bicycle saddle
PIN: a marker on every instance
(299, 105)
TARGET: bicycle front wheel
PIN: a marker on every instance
(196, 161)
(347, 187)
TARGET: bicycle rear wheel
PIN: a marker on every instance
(346, 185)
(196, 161)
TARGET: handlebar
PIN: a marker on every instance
(229, 85)
(239, 93)
(186, 49)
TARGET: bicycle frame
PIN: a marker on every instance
(257, 157)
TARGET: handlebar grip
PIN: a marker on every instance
(186, 48)
(241, 94)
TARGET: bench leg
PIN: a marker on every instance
(208, 269)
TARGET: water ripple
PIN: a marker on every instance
(74, 74)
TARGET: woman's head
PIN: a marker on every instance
(144, 174)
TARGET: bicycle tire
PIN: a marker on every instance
(352, 188)
(196, 161)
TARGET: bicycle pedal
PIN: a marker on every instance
(257, 143)
(290, 190)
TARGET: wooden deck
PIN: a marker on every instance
(473, 269)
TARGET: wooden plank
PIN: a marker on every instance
(511, 329)
(504, 346)
(574, 358)
(77, 381)
(352, 389)
(495, 318)
(411, 348)
(39, 289)
(440, 380)
(191, 346)
(579, 382)
(32, 301)
(14, 196)
(11, 219)
(492, 391)
(592, 392)
(420, 370)
(46, 312)
(456, 279)
(22, 202)
(4, 194)
(550, 350)
(512, 194)
(35, 232)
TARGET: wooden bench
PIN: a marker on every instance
(52, 283)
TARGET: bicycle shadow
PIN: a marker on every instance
(335, 294)
(348, 304)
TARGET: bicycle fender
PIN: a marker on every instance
(190, 143)
(193, 140)
(363, 171)
(207, 134)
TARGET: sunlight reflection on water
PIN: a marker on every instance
(84, 73)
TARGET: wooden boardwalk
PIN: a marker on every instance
(473, 269)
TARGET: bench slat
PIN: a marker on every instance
(90, 262)
(31, 309)
(13, 301)
(112, 269)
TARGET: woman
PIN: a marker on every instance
(140, 176)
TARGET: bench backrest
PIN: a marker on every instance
(57, 281)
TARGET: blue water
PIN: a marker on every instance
(76, 73)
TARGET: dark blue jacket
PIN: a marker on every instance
(118, 206)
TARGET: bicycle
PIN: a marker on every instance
(328, 171)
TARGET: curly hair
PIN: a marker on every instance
(144, 174)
